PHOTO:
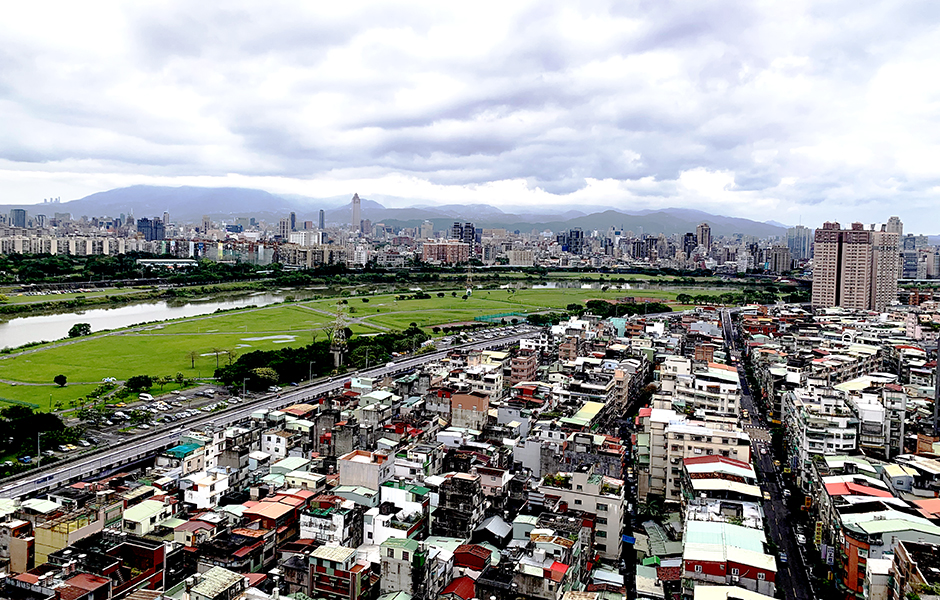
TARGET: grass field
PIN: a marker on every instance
(41, 394)
(167, 348)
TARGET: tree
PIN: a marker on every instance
(60, 380)
(180, 378)
(140, 416)
(162, 381)
(264, 376)
(79, 329)
(139, 383)
(192, 357)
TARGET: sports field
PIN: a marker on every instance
(195, 346)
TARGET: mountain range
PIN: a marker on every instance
(191, 203)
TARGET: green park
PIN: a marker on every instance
(196, 346)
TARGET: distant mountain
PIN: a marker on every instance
(190, 203)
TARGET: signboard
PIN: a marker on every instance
(819, 531)
(830, 556)
(628, 539)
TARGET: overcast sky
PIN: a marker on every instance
(783, 110)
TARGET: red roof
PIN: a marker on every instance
(854, 489)
(646, 411)
(557, 571)
(698, 460)
(87, 581)
(70, 592)
(462, 587)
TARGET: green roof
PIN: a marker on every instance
(402, 543)
(143, 511)
(183, 450)
(411, 487)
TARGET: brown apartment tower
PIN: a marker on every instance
(855, 268)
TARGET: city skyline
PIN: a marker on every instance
(796, 113)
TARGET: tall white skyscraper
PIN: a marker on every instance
(356, 213)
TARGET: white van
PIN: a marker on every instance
(145, 397)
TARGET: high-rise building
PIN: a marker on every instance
(18, 217)
(894, 225)
(571, 241)
(293, 221)
(427, 230)
(800, 242)
(283, 229)
(703, 235)
(152, 229)
(779, 259)
(855, 268)
(206, 225)
(321, 224)
(166, 218)
(356, 212)
(689, 243)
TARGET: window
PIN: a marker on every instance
(602, 507)
(601, 533)
(404, 556)
(577, 501)
(698, 568)
(391, 553)
(761, 576)
(580, 487)
(735, 571)
(601, 521)
(601, 547)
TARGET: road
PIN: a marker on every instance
(141, 447)
(792, 576)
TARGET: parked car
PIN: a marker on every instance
(26, 459)
(801, 539)
(62, 448)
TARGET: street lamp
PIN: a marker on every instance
(38, 449)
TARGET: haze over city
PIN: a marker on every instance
(795, 112)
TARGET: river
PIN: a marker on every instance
(25, 330)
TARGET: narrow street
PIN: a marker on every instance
(792, 575)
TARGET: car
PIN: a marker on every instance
(272, 389)
(777, 463)
(46, 453)
(234, 400)
(783, 557)
(767, 496)
(26, 459)
(94, 441)
(786, 493)
(144, 426)
(763, 450)
(120, 405)
(62, 448)
(145, 397)
(109, 422)
(8, 463)
(801, 539)
(83, 444)
(177, 404)
(72, 446)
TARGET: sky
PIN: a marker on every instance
(792, 111)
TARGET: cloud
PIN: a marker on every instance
(812, 110)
